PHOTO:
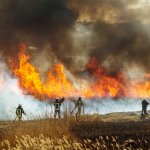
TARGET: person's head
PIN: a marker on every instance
(19, 105)
(79, 99)
(57, 99)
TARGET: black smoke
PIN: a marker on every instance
(119, 31)
(36, 23)
(120, 28)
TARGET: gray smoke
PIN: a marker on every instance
(120, 35)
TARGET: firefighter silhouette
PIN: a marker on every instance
(144, 107)
(79, 105)
(57, 105)
(19, 112)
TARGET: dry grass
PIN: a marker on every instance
(48, 127)
(65, 143)
(90, 132)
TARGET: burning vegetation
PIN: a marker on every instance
(100, 55)
(30, 81)
(100, 82)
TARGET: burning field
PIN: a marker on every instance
(97, 50)
(100, 82)
(105, 55)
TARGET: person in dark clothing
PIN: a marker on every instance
(79, 105)
(19, 112)
(57, 105)
(144, 107)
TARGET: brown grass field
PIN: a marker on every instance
(116, 131)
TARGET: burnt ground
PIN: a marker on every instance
(139, 131)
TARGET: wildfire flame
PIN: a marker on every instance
(30, 81)
(101, 84)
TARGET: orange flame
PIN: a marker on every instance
(104, 85)
(30, 81)
(100, 83)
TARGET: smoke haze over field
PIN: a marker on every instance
(11, 96)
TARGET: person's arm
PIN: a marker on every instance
(23, 112)
(16, 111)
(82, 103)
(142, 103)
(76, 104)
(62, 100)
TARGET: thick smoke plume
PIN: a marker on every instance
(44, 24)
(120, 31)
(115, 32)
(71, 32)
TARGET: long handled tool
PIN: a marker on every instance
(83, 110)
(15, 119)
(73, 110)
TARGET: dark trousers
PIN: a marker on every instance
(144, 110)
(78, 112)
(57, 112)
